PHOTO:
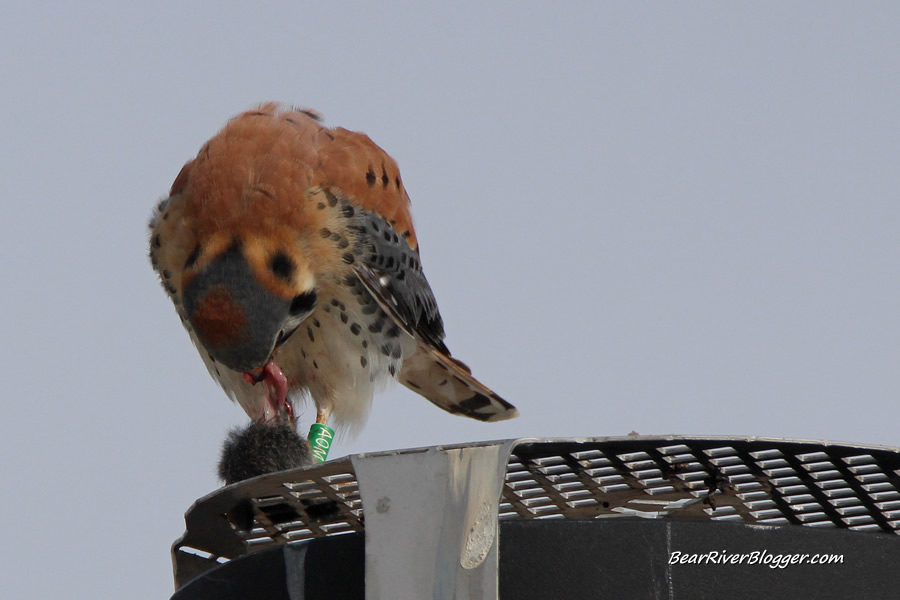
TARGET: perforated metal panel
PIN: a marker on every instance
(763, 481)
(772, 481)
(268, 511)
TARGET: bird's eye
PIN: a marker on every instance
(282, 266)
(303, 303)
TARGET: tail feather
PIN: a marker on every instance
(448, 383)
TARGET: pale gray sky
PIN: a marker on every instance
(676, 218)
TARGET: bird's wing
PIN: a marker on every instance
(392, 273)
(366, 175)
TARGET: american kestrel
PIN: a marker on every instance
(289, 251)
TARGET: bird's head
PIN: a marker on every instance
(246, 299)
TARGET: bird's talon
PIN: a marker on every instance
(289, 409)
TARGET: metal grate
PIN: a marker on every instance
(760, 481)
(267, 511)
(770, 481)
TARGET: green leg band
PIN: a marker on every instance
(320, 437)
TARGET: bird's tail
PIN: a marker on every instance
(449, 384)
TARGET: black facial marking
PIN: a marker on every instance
(347, 210)
(393, 331)
(320, 205)
(192, 257)
(392, 370)
(370, 176)
(363, 361)
(355, 329)
(332, 199)
(413, 385)
(282, 266)
(303, 303)
(309, 332)
(344, 317)
(324, 232)
(156, 241)
(348, 258)
(377, 326)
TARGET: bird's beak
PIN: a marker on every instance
(256, 375)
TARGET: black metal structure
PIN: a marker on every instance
(584, 518)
